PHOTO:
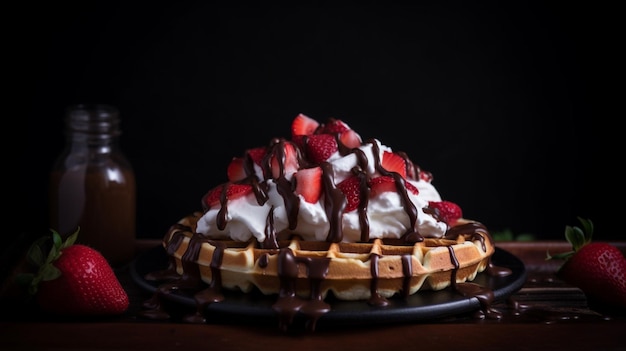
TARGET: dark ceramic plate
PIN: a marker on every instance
(426, 305)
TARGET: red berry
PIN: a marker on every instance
(335, 126)
(74, 280)
(257, 154)
(426, 176)
(288, 165)
(350, 139)
(393, 162)
(320, 147)
(351, 188)
(448, 212)
(212, 197)
(303, 125)
(599, 270)
(382, 184)
(309, 183)
(236, 169)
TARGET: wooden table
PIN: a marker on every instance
(549, 315)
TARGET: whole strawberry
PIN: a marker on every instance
(74, 279)
(597, 268)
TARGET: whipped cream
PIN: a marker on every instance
(386, 214)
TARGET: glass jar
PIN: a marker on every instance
(92, 184)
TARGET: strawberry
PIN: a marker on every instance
(350, 139)
(596, 268)
(393, 162)
(288, 165)
(303, 125)
(257, 154)
(334, 126)
(236, 169)
(382, 184)
(351, 188)
(212, 197)
(309, 183)
(73, 279)
(426, 176)
(448, 212)
(320, 147)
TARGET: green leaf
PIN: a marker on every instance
(49, 272)
(57, 241)
(575, 236)
(35, 254)
(55, 250)
(587, 228)
(71, 239)
(560, 256)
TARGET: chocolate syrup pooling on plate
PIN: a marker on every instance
(288, 304)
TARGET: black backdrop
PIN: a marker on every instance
(504, 102)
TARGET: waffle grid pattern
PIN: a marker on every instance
(351, 270)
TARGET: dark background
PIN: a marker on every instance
(507, 103)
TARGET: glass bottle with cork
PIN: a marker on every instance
(92, 184)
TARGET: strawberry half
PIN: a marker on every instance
(350, 139)
(73, 279)
(320, 147)
(309, 183)
(236, 170)
(289, 163)
(597, 268)
(393, 162)
(426, 176)
(334, 126)
(382, 184)
(351, 188)
(257, 154)
(233, 191)
(303, 125)
(448, 212)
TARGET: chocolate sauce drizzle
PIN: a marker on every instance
(288, 303)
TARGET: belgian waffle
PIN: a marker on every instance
(351, 271)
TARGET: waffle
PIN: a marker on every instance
(381, 268)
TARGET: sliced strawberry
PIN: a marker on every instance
(320, 147)
(289, 163)
(303, 125)
(236, 170)
(257, 154)
(212, 197)
(381, 184)
(410, 187)
(412, 170)
(299, 140)
(351, 188)
(334, 126)
(426, 176)
(448, 212)
(350, 139)
(393, 162)
(309, 183)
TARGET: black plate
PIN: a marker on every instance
(422, 306)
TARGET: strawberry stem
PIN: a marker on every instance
(577, 237)
(44, 263)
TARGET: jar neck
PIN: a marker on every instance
(93, 128)
(101, 143)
